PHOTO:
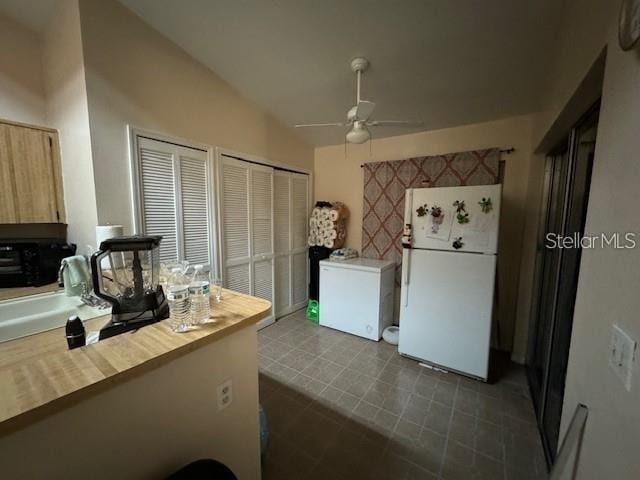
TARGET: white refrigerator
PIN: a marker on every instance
(448, 276)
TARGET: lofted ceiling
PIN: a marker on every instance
(445, 62)
(33, 14)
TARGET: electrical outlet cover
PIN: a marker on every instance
(622, 355)
(225, 394)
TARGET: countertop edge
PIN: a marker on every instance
(34, 414)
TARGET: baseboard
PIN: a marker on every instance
(517, 358)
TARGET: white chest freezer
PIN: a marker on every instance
(356, 296)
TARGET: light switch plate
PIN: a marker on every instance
(621, 355)
(225, 394)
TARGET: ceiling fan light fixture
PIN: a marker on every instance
(359, 116)
(358, 133)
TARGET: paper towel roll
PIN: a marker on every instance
(104, 232)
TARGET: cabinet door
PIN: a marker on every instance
(29, 176)
(34, 174)
(8, 210)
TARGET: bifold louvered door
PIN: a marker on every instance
(282, 241)
(174, 200)
(299, 235)
(246, 212)
(291, 209)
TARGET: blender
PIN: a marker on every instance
(125, 273)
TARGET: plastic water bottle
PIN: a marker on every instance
(199, 294)
(179, 302)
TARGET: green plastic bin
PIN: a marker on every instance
(313, 311)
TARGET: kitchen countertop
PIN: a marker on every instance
(39, 375)
(9, 293)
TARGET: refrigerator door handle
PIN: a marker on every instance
(406, 252)
(406, 261)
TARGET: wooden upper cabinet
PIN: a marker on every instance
(30, 175)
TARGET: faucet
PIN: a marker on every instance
(61, 273)
(86, 295)
(88, 298)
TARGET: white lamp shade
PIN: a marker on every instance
(358, 134)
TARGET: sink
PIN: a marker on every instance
(37, 313)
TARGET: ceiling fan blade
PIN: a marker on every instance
(364, 109)
(305, 125)
(394, 123)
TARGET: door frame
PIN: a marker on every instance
(566, 148)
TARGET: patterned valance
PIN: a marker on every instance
(385, 183)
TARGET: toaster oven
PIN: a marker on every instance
(31, 262)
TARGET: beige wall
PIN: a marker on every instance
(583, 35)
(67, 111)
(340, 179)
(42, 82)
(608, 284)
(136, 76)
(531, 217)
(116, 434)
(22, 97)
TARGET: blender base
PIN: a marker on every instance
(127, 322)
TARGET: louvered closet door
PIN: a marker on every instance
(282, 241)
(158, 194)
(236, 262)
(174, 200)
(299, 234)
(261, 227)
(194, 207)
(247, 228)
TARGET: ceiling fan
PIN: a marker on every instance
(359, 116)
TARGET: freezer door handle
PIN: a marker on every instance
(408, 205)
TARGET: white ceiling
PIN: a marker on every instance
(33, 14)
(445, 62)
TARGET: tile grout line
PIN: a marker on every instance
(317, 461)
(343, 368)
(369, 389)
(412, 392)
(400, 417)
(362, 352)
(446, 438)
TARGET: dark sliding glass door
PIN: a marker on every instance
(565, 197)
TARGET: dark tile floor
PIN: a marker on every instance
(342, 407)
